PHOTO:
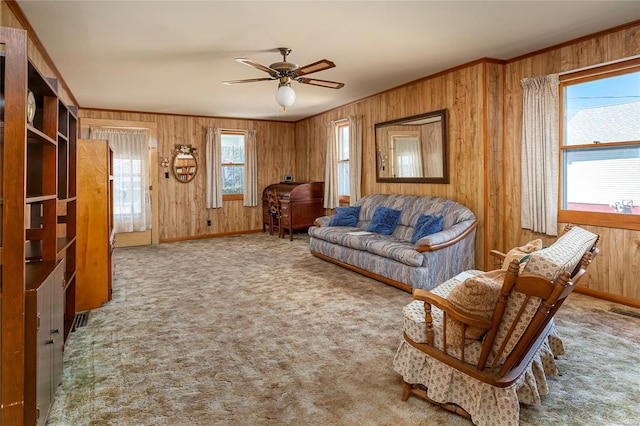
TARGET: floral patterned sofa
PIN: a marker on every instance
(393, 258)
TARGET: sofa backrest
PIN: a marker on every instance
(412, 207)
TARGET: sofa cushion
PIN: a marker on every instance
(384, 220)
(521, 253)
(345, 216)
(477, 295)
(390, 248)
(427, 224)
(342, 236)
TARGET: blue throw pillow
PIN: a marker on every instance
(384, 220)
(345, 216)
(427, 225)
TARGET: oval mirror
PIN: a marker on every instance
(185, 163)
(413, 149)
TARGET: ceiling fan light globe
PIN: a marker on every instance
(285, 96)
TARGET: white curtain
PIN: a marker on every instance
(331, 198)
(355, 158)
(131, 198)
(214, 169)
(539, 157)
(407, 155)
(250, 169)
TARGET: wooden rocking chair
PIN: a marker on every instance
(478, 377)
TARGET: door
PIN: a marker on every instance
(150, 236)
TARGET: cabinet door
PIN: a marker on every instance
(93, 225)
(57, 324)
(44, 344)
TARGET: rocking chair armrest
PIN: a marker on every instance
(498, 254)
(498, 258)
(451, 310)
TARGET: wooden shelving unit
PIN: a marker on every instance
(38, 234)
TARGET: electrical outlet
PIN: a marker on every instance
(208, 222)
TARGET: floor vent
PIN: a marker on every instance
(625, 312)
(80, 320)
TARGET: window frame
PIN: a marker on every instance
(608, 220)
(234, 197)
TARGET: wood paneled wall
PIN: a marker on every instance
(182, 208)
(462, 92)
(616, 270)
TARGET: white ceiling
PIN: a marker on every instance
(171, 56)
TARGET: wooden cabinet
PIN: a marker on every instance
(95, 224)
(44, 319)
(37, 155)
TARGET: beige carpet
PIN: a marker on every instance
(253, 330)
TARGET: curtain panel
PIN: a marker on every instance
(331, 198)
(250, 198)
(539, 156)
(131, 198)
(214, 168)
(355, 158)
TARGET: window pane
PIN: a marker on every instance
(232, 149)
(603, 110)
(343, 143)
(232, 179)
(127, 187)
(343, 178)
(604, 179)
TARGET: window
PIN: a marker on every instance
(342, 139)
(600, 147)
(127, 183)
(233, 158)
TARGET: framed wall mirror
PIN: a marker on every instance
(413, 149)
(185, 163)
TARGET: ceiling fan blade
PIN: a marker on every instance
(321, 65)
(249, 80)
(256, 65)
(321, 83)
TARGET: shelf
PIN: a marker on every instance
(35, 135)
(64, 242)
(38, 85)
(33, 250)
(40, 198)
(68, 279)
(37, 272)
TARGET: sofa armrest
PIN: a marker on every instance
(322, 221)
(446, 237)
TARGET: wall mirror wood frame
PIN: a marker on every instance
(185, 163)
(413, 149)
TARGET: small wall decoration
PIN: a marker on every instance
(185, 163)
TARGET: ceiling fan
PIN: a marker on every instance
(286, 72)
